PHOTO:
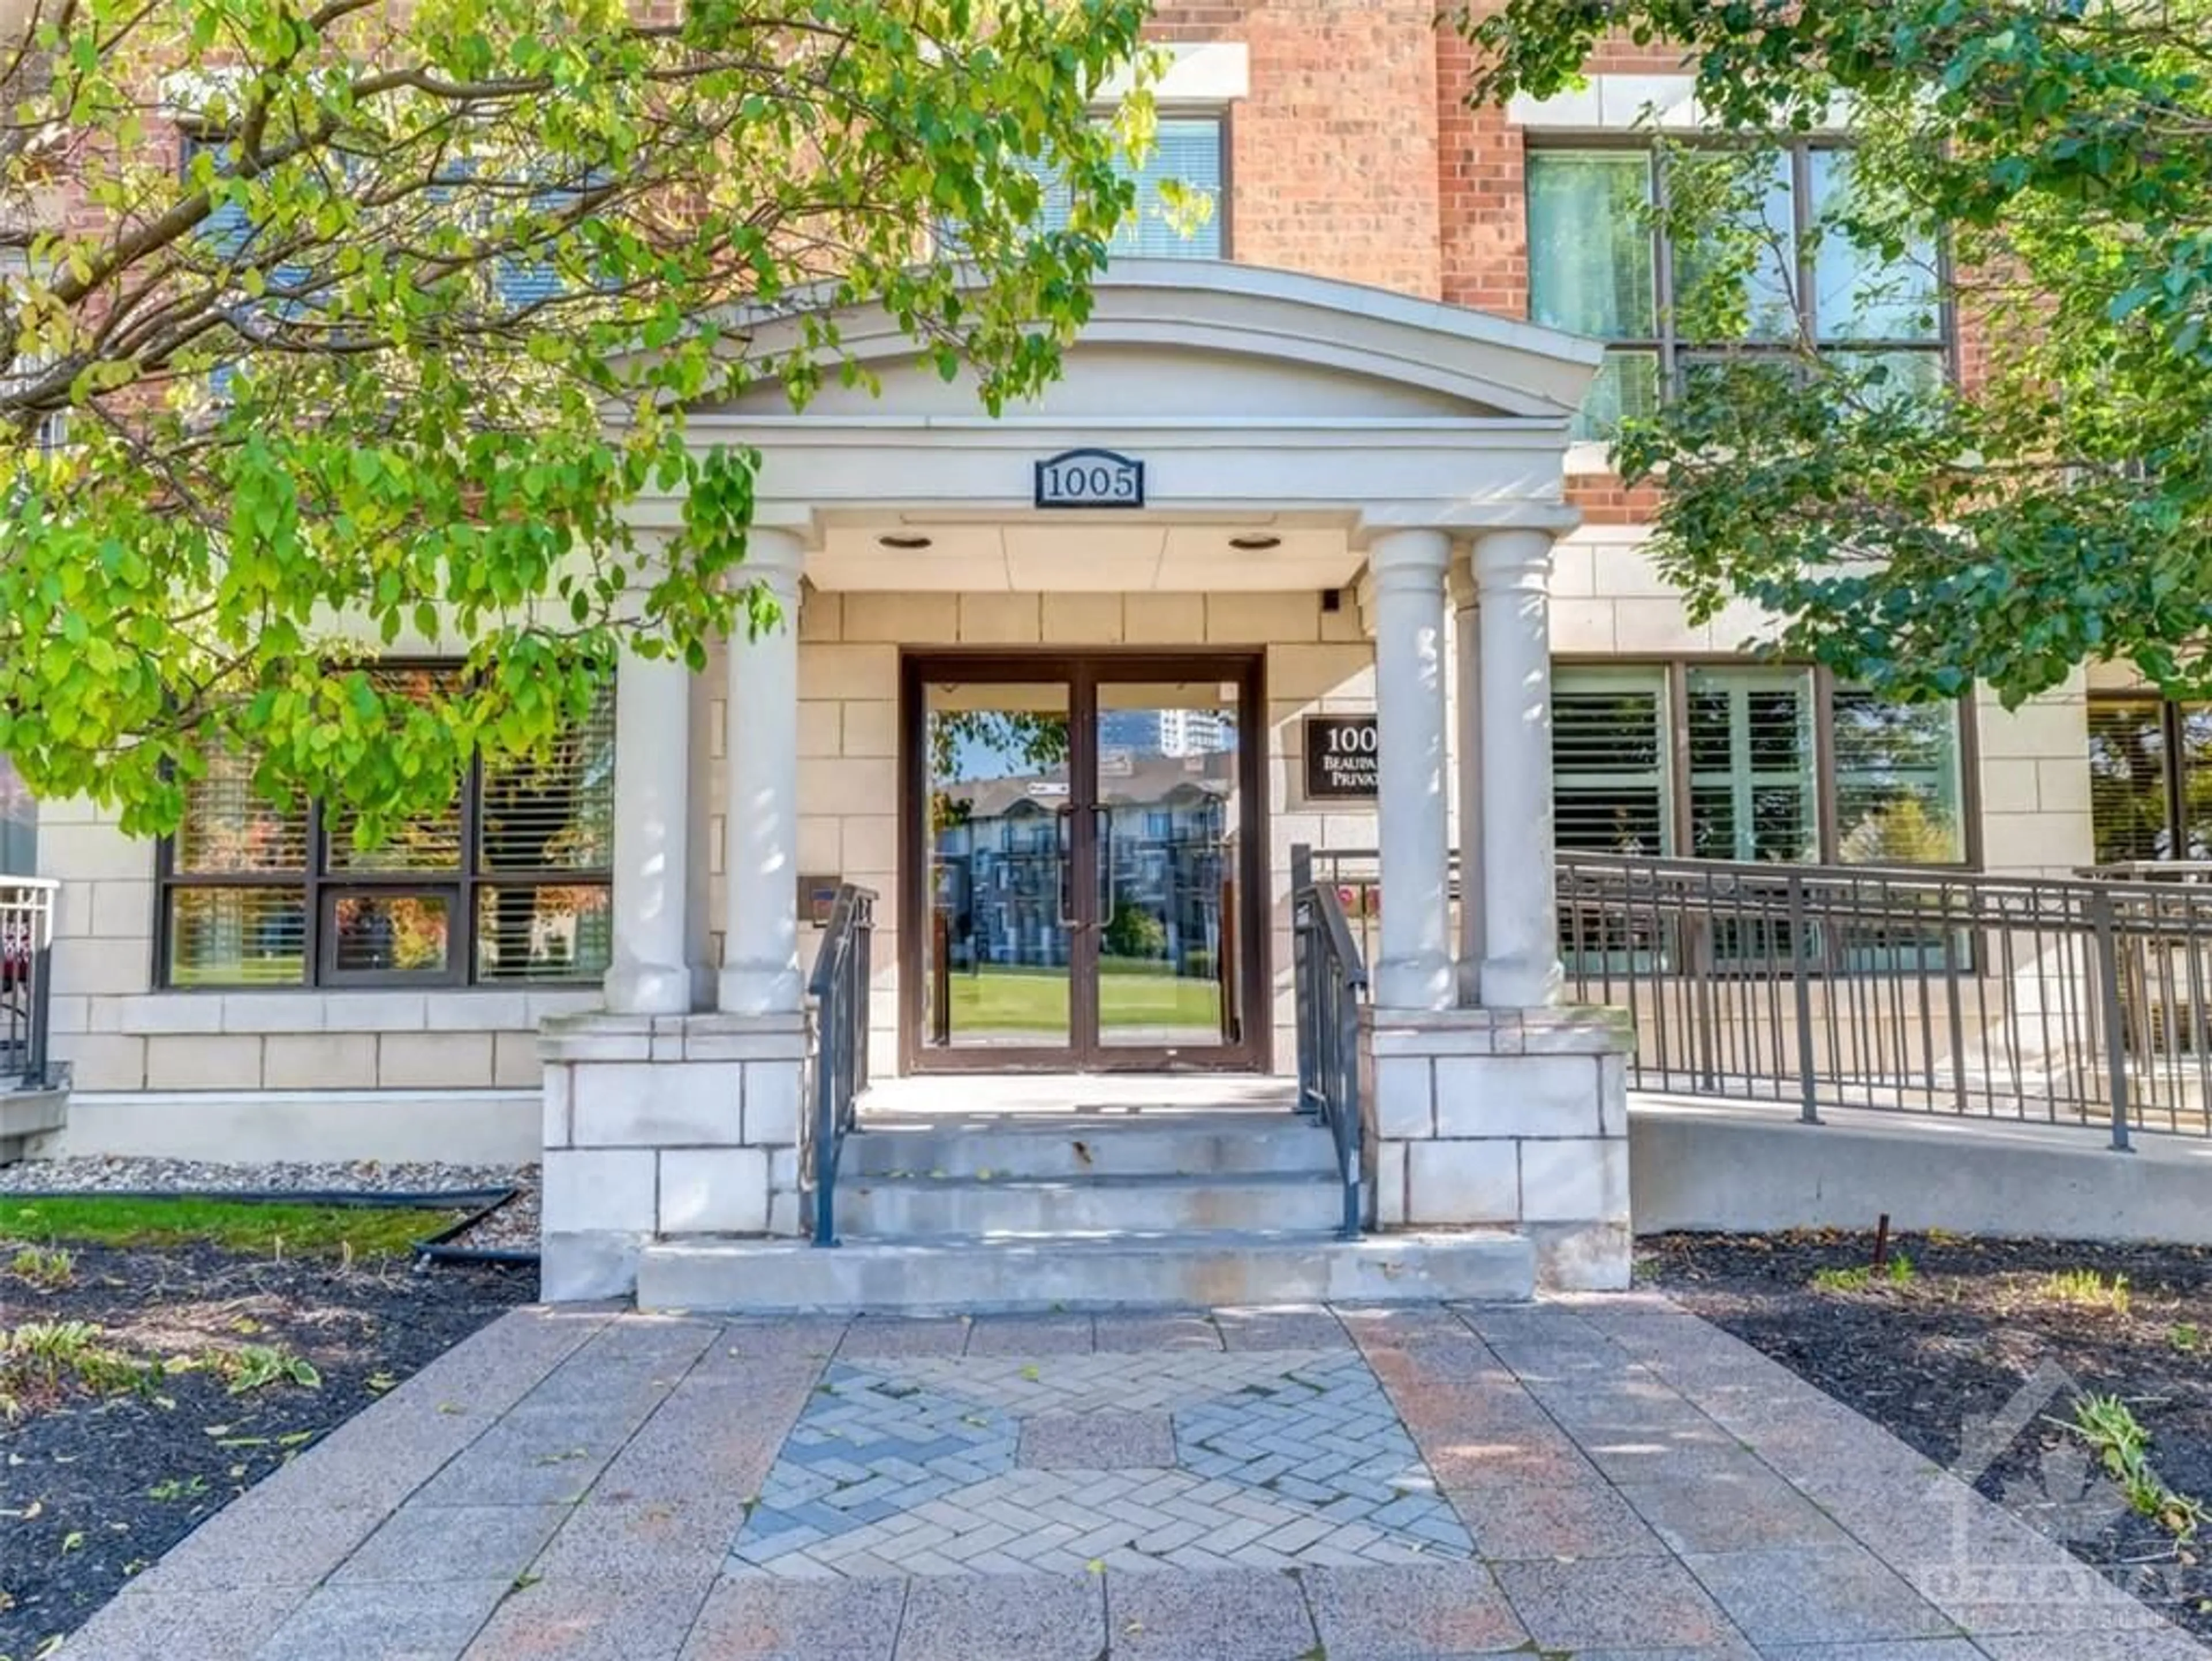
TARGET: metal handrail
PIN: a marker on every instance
(2083, 1000)
(26, 940)
(839, 988)
(1331, 983)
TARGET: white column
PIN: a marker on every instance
(1467, 647)
(760, 934)
(648, 975)
(1414, 968)
(1521, 936)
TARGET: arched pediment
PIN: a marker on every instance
(1178, 340)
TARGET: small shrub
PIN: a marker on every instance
(48, 1268)
(2087, 1289)
(2184, 1337)
(42, 1358)
(1896, 1272)
(256, 1366)
(2109, 1427)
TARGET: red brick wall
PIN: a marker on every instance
(1333, 157)
(1482, 219)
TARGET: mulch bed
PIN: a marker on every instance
(93, 1488)
(1956, 1343)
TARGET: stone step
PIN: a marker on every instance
(903, 1208)
(1117, 1271)
(1221, 1143)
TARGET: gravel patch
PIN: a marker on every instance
(97, 1176)
(514, 1227)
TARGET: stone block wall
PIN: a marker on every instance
(392, 1074)
(1503, 1118)
(667, 1124)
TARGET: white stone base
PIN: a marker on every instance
(660, 1127)
(253, 1127)
(1505, 1118)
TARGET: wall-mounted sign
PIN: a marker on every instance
(1090, 478)
(1340, 758)
(817, 899)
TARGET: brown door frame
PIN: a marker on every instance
(1084, 672)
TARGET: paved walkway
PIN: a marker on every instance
(1609, 1479)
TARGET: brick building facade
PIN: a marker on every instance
(1356, 433)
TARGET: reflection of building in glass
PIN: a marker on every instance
(1164, 732)
(19, 824)
(1163, 855)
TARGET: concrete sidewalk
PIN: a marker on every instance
(1610, 1479)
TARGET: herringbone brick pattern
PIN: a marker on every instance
(1282, 1459)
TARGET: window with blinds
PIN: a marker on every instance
(510, 882)
(1751, 789)
(1188, 149)
(1609, 760)
(2150, 788)
(1731, 762)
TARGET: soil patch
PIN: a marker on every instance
(1930, 1351)
(93, 1487)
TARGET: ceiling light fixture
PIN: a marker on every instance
(905, 541)
(1256, 544)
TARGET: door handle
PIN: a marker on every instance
(1063, 820)
(1101, 849)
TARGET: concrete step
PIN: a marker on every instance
(1040, 1146)
(903, 1208)
(1113, 1271)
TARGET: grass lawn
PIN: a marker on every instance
(233, 1225)
(1036, 1001)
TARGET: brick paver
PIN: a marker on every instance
(944, 1466)
(1604, 1479)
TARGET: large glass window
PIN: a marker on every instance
(2150, 777)
(1735, 762)
(1899, 793)
(1600, 265)
(512, 882)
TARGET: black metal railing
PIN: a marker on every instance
(839, 988)
(2084, 1001)
(26, 940)
(1331, 984)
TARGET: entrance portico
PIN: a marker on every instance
(1324, 476)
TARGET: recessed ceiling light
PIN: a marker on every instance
(1256, 543)
(904, 541)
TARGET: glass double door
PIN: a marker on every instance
(1085, 840)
